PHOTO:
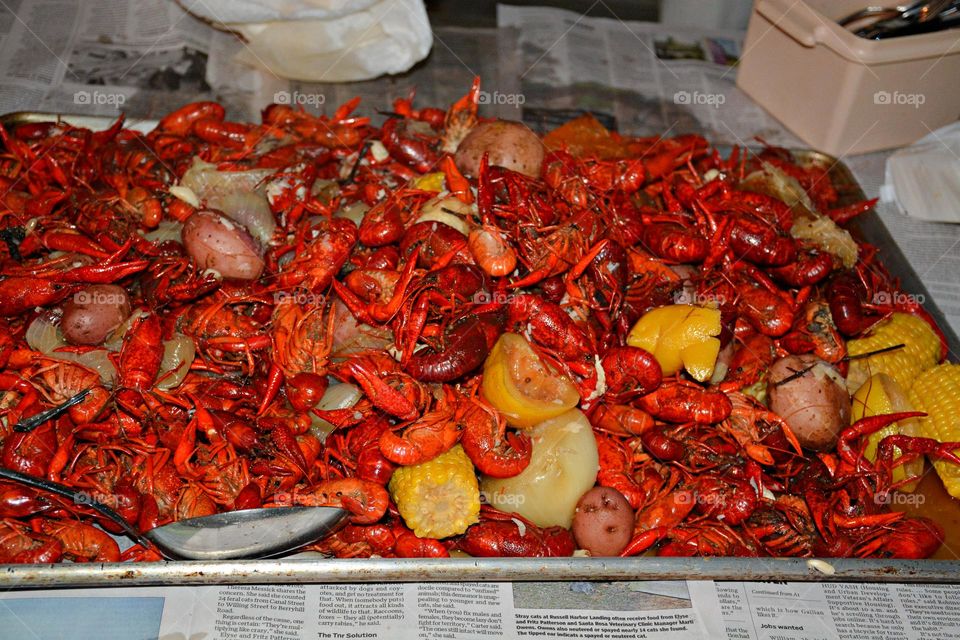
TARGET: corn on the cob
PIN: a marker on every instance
(921, 351)
(937, 392)
(881, 395)
(438, 498)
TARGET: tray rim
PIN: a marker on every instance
(867, 227)
(359, 570)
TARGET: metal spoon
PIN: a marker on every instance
(934, 16)
(930, 10)
(874, 13)
(249, 533)
(920, 11)
(37, 419)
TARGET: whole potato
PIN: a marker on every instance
(815, 404)
(508, 144)
(92, 313)
(218, 243)
(603, 522)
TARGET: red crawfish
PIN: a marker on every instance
(686, 402)
(504, 535)
(140, 358)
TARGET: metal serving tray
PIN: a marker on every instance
(867, 227)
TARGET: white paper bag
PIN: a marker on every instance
(324, 40)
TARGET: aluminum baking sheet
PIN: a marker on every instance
(867, 227)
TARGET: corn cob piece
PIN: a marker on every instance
(878, 396)
(937, 392)
(438, 498)
(920, 352)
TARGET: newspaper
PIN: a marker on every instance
(480, 611)
(846, 611)
(147, 57)
(399, 611)
(100, 57)
(640, 78)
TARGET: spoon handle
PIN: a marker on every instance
(34, 421)
(79, 497)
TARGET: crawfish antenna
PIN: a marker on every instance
(356, 165)
(793, 376)
(892, 347)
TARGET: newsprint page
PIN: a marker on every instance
(480, 611)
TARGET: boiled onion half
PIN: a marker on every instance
(562, 468)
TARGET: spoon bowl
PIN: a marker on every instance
(234, 535)
(249, 533)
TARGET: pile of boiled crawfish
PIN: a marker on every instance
(340, 281)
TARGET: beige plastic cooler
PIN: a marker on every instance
(843, 94)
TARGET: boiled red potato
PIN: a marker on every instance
(811, 396)
(508, 144)
(93, 313)
(603, 522)
(218, 243)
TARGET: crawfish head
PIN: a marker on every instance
(674, 242)
(174, 278)
(141, 354)
(910, 538)
(466, 346)
(415, 150)
(302, 336)
(315, 263)
(553, 331)
(845, 296)
(607, 274)
(679, 402)
(366, 500)
(436, 241)
(20, 294)
(556, 251)
(495, 538)
(631, 371)
(31, 452)
(726, 498)
(491, 449)
(760, 243)
(762, 304)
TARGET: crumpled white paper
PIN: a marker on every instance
(923, 180)
(324, 40)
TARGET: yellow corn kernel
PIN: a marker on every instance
(921, 351)
(438, 498)
(881, 395)
(937, 392)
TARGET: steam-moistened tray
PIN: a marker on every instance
(943, 567)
